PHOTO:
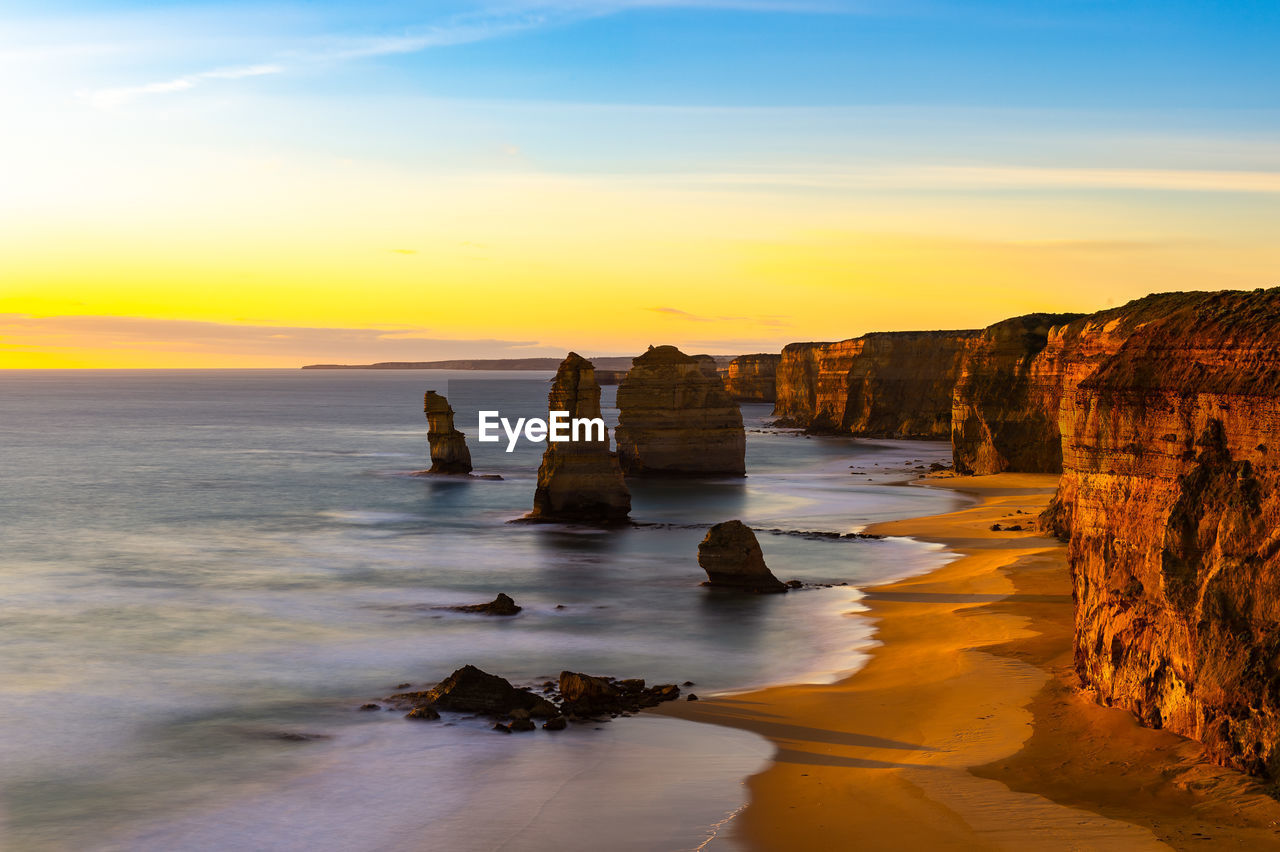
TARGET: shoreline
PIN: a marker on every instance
(967, 728)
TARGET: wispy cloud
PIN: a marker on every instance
(113, 97)
(496, 20)
(768, 320)
(676, 312)
(992, 177)
(270, 344)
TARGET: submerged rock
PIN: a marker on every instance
(501, 605)
(675, 417)
(732, 558)
(580, 481)
(449, 453)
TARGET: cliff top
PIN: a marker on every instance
(658, 355)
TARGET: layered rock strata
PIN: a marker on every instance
(732, 558)
(753, 378)
(579, 480)
(1004, 409)
(449, 453)
(1025, 433)
(1170, 496)
(885, 384)
(675, 417)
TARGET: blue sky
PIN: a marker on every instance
(908, 164)
(1084, 54)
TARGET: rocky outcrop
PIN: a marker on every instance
(449, 453)
(1170, 496)
(753, 378)
(675, 417)
(883, 385)
(732, 558)
(471, 690)
(503, 605)
(579, 480)
(1004, 410)
(584, 695)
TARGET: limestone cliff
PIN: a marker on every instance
(449, 453)
(1006, 407)
(1170, 495)
(579, 480)
(753, 378)
(1004, 410)
(796, 384)
(675, 417)
(884, 384)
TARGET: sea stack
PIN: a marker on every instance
(579, 480)
(675, 417)
(732, 558)
(449, 453)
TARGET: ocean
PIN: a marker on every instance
(204, 574)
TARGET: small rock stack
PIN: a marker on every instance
(449, 453)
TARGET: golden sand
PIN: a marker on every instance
(967, 728)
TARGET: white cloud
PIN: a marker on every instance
(496, 20)
(986, 177)
(108, 98)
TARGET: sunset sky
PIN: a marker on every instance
(236, 184)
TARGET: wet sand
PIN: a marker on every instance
(967, 728)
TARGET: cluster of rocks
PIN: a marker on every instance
(819, 535)
(580, 697)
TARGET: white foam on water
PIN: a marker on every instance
(643, 783)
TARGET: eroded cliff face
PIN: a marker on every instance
(1004, 410)
(885, 384)
(579, 480)
(449, 453)
(796, 384)
(1170, 496)
(753, 378)
(675, 417)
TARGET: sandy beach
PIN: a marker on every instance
(967, 728)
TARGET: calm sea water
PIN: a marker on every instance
(205, 573)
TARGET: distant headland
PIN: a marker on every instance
(604, 363)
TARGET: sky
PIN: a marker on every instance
(235, 184)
